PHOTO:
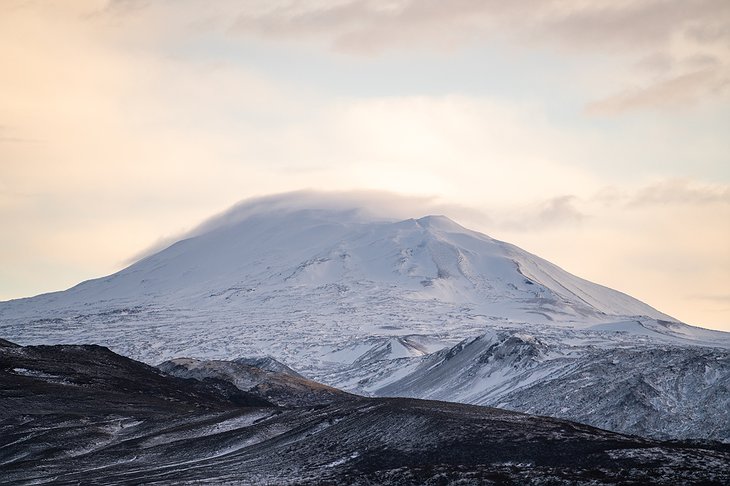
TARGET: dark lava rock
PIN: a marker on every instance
(84, 415)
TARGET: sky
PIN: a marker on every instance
(591, 133)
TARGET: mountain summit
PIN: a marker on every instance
(291, 267)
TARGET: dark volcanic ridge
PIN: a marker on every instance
(83, 414)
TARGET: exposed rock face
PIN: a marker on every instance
(285, 388)
(268, 363)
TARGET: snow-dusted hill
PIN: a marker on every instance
(648, 387)
(341, 296)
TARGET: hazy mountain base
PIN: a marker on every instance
(81, 414)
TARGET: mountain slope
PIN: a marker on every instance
(665, 391)
(358, 302)
(426, 258)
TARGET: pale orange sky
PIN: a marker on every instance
(593, 134)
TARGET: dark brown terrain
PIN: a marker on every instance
(85, 415)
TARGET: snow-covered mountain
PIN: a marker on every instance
(356, 301)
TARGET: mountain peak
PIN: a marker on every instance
(442, 223)
(301, 242)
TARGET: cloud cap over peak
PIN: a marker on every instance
(354, 206)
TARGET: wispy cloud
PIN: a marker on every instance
(682, 90)
(685, 44)
(560, 211)
(369, 204)
(370, 25)
(686, 41)
(681, 191)
(571, 211)
(673, 191)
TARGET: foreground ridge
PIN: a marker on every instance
(75, 414)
